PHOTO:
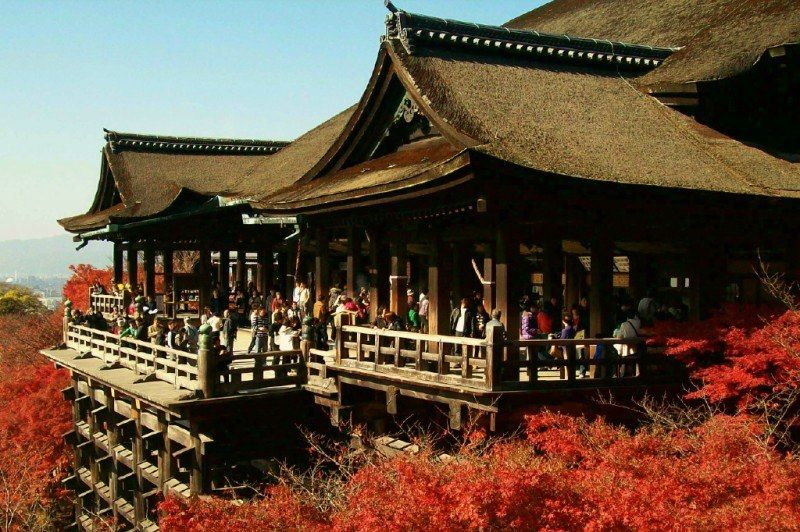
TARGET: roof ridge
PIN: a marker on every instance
(412, 29)
(120, 141)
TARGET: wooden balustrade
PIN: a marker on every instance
(486, 364)
(186, 370)
(107, 304)
(426, 357)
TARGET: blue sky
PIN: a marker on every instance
(267, 70)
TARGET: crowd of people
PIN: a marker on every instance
(281, 323)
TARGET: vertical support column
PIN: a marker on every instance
(291, 267)
(637, 277)
(112, 433)
(353, 260)
(601, 291)
(439, 288)
(508, 270)
(265, 269)
(457, 267)
(488, 278)
(574, 280)
(322, 260)
(165, 453)
(169, 270)
(553, 262)
(205, 278)
(138, 457)
(149, 271)
(241, 273)
(707, 279)
(133, 266)
(118, 267)
(198, 478)
(398, 276)
(378, 273)
(224, 270)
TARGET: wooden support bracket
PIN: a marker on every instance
(391, 400)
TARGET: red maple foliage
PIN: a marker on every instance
(76, 289)
(570, 473)
(33, 417)
(742, 354)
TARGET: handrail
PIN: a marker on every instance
(416, 336)
(183, 369)
(489, 364)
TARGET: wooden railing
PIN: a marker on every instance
(491, 364)
(589, 362)
(186, 370)
(426, 357)
(107, 304)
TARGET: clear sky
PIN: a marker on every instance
(267, 70)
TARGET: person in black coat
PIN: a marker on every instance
(462, 320)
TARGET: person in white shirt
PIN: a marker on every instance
(303, 297)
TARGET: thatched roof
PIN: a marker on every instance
(720, 37)
(152, 174)
(420, 163)
(587, 123)
(144, 175)
(558, 114)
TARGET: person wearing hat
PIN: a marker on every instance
(409, 298)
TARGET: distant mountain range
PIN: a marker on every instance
(49, 257)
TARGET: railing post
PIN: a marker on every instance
(337, 323)
(67, 318)
(572, 361)
(206, 370)
(494, 357)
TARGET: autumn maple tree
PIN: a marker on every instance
(76, 289)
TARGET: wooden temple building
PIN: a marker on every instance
(585, 149)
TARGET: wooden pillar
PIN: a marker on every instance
(265, 269)
(353, 260)
(149, 271)
(601, 292)
(118, 266)
(241, 274)
(205, 278)
(508, 271)
(378, 273)
(439, 288)
(165, 452)
(133, 266)
(198, 480)
(488, 278)
(574, 273)
(456, 272)
(291, 268)
(169, 270)
(138, 457)
(707, 278)
(637, 278)
(224, 271)
(322, 261)
(398, 276)
(552, 264)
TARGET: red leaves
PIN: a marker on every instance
(76, 289)
(33, 456)
(569, 474)
(741, 354)
(572, 473)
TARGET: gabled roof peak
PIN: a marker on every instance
(414, 30)
(119, 141)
